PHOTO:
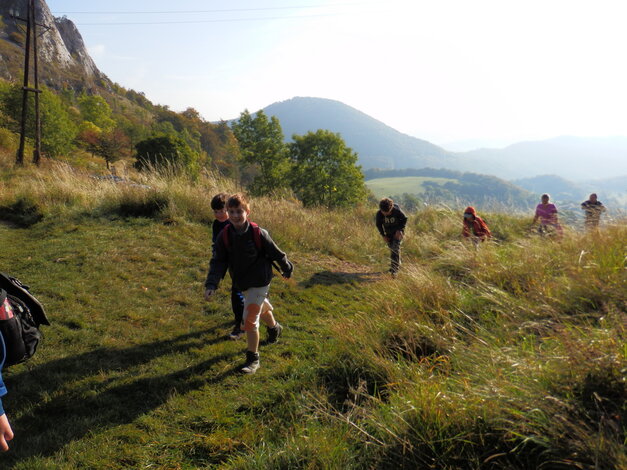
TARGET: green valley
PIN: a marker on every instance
(382, 187)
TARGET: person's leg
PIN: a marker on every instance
(252, 340)
(274, 327)
(395, 256)
(237, 304)
(267, 317)
(254, 301)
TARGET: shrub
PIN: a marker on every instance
(8, 140)
(165, 151)
(22, 212)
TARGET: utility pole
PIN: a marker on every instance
(31, 29)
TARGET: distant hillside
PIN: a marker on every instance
(448, 187)
(378, 145)
(575, 158)
(611, 191)
(559, 188)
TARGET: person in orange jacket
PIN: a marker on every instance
(474, 226)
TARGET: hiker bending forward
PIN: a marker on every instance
(475, 227)
(391, 222)
(247, 252)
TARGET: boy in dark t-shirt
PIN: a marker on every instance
(218, 204)
(593, 208)
(391, 223)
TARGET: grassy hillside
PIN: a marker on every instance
(511, 357)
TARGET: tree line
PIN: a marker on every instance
(317, 167)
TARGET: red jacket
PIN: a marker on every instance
(475, 226)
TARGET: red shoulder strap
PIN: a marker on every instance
(256, 235)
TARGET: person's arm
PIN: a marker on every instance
(554, 215)
(465, 230)
(217, 268)
(535, 217)
(274, 253)
(6, 433)
(379, 223)
(485, 229)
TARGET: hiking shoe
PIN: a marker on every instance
(274, 333)
(252, 363)
(236, 333)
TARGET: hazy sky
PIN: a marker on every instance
(444, 71)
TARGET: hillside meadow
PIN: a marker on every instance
(383, 187)
(508, 357)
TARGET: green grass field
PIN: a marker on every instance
(383, 187)
(510, 357)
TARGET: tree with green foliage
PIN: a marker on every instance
(57, 128)
(88, 134)
(133, 128)
(97, 111)
(165, 151)
(112, 146)
(324, 171)
(263, 151)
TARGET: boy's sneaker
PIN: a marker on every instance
(236, 333)
(252, 363)
(274, 333)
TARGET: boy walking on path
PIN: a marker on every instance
(247, 252)
(391, 223)
(218, 204)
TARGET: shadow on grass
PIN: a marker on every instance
(328, 278)
(50, 407)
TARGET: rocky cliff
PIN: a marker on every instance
(63, 57)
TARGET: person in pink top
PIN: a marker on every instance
(546, 213)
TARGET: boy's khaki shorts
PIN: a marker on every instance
(255, 303)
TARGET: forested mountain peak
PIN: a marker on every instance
(378, 145)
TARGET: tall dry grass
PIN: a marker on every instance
(511, 356)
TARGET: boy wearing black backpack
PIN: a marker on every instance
(218, 205)
(248, 252)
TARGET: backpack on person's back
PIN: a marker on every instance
(21, 314)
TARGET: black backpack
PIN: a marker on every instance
(20, 321)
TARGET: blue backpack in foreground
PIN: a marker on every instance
(21, 314)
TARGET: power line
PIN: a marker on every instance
(225, 10)
(209, 21)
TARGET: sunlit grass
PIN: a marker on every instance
(509, 356)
